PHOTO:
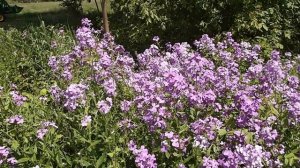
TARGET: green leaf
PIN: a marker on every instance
(176, 154)
(15, 144)
(58, 136)
(22, 160)
(30, 96)
(101, 160)
(111, 154)
(265, 27)
(167, 155)
(249, 137)
(274, 111)
(222, 132)
(84, 162)
(43, 92)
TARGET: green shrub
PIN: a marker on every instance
(274, 21)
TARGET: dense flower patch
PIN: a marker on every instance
(212, 104)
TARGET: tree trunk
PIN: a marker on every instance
(104, 16)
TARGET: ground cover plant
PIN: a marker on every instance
(213, 103)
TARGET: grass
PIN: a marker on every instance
(52, 13)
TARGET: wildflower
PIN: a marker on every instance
(12, 161)
(104, 106)
(125, 105)
(86, 120)
(56, 93)
(41, 133)
(142, 157)
(45, 128)
(110, 87)
(75, 96)
(126, 123)
(155, 39)
(18, 99)
(17, 119)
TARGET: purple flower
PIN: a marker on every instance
(4, 152)
(142, 157)
(126, 124)
(104, 106)
(86, 120)
(67, 74)
(85, 35)
(110, 87)
(49, 124)
(125, 105)
(41, 133)
(293, 82)
(169, 135)
(4, 156)
(56, 93)
(181, 165)
(75, 96)
(17, 119)
(207, 127)
(12, 160)
(53, 63)
(164, 146)
(209, 96)
(210, 163)
(18, 99)
(268, 134)
(155, 38)
(45, 128)
(201, 141)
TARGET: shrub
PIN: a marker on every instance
(273, 23)
(74, 5)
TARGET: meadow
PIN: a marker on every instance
(73, 96)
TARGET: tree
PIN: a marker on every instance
(104, 16)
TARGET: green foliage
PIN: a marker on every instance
(74, 5)
(24, 54)
(274, 21)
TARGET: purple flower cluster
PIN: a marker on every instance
(205, 131)
(84, 34)
(45, 128)
(18, 99)
(104, 106)
(56, 93)
(17, 119)
(5, 156)
(175, 141)
(142, 157)
(75, 96)
(126, 124)
(125, 105)
(248, 156)
(222, 94)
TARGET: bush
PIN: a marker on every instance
(74, 5)
(272, 23)
(213, 103)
